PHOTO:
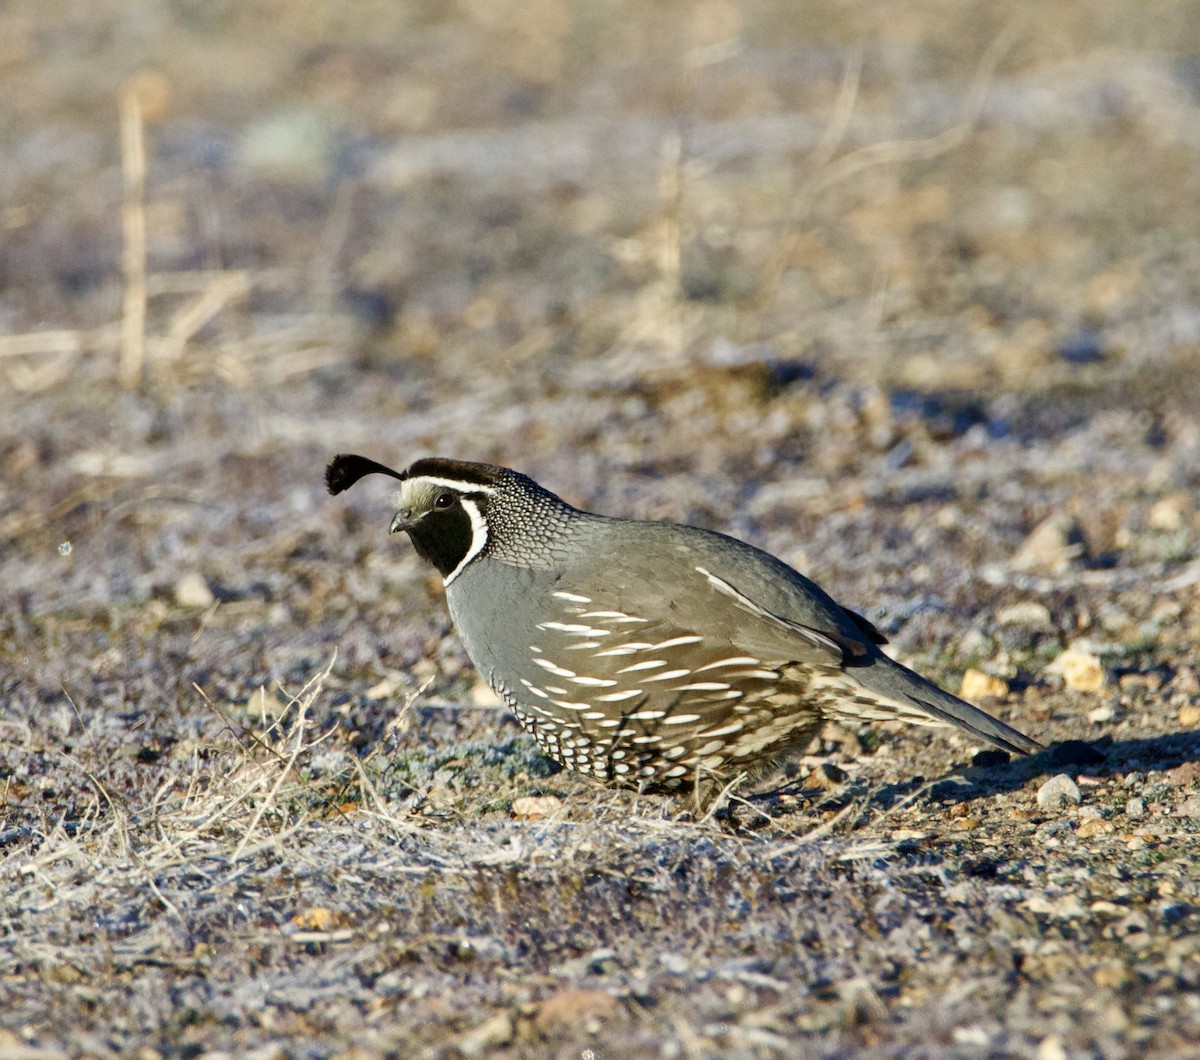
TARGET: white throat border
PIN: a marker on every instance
(479, 537)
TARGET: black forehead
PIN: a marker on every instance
(455, 471)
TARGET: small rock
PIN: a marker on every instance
(385, 688)
(1081, 670)
(978, 685)
(1058, 792)
(1052, 1048)
(1051, 547)
(1111, 974)
(674, 963)
(482, 695)
(1135, 807)
(1171, 513)
(296, 145)
(1189, 715)
(192, 591)
(1183, 775)
(1081, 348)
(1187, 680)
(1107, 908)
(569, 1008)
(1101, 715)
(535, 807)
(1028, 613)
(1065, 907)
(1189, 807)
(825, 777)
(975, 1037)
(316, 918)
(1152, 681)
(490, 1034)
(1094, 826)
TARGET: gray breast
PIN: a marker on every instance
(622, 690)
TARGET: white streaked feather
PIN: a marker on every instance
(617, 697)
(554, 668)
(736, 660)
(667, 675)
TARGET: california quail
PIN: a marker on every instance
(648, 654)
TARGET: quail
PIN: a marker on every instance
(648, 654)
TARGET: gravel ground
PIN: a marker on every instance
(905, 294)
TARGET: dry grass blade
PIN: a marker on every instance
(302, 702)
(825, 171)
(223, 289)
(133, 218)
(931, 146)
(33, 343)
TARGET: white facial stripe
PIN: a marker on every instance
(452, 484)
(479, 536)
(811, 635)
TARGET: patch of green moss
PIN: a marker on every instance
(464, 766)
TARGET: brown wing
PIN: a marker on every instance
(620, 694)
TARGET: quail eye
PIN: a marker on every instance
(444, 501)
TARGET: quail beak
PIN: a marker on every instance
(403, 520)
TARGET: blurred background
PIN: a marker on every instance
(899, 281)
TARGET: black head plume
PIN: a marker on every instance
(345, 469)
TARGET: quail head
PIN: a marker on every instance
(648, 654)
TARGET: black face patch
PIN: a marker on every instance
(445, 535)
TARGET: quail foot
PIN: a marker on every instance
(648, 654)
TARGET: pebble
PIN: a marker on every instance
(1187, 680)
(1170, 514)
(1052, 1048)
(1051, 547)
(489, 1035)
(978, 685)
(1130, 682)
(535, 807)
(1065, 907)
(1135, 807)
(1081, 670)
(1111, 974)
(1058, 792)
(482, 695)
(1189, 715)
(296, 145)
(825, 777)
(1189, 807)
(192, 591)
(574, 1008)
(1183, 776)
(1029, 613)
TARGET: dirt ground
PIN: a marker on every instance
(908, 294)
